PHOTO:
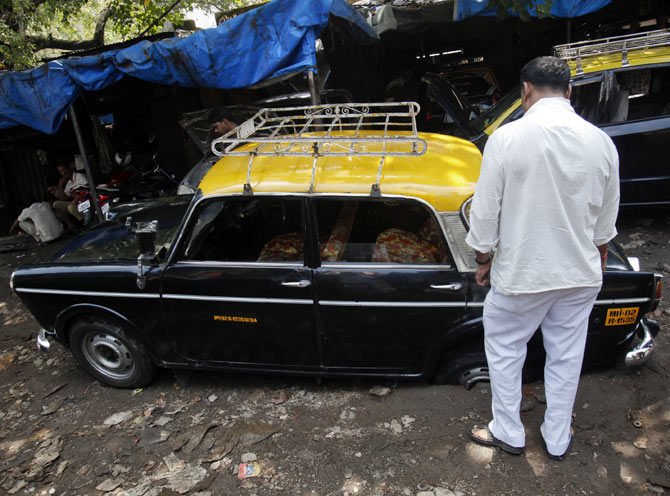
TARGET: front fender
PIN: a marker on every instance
(66, 316)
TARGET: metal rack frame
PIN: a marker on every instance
(614, 44)
(352, 129)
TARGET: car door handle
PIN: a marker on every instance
(450, 287)
(298, 284)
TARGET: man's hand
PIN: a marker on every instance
(483, 274)
(602, 249)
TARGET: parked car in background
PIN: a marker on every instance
(622, 85)
(196, 126)
(478, 84)
(327, 241)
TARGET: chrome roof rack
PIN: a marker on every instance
(352, 129)
(613, 44)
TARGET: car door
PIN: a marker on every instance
(237, 290)
(386, 286)
(638, 121)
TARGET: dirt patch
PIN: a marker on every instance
(61, 432)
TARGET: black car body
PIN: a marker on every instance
(284, 274)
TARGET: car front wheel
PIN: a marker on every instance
(110, 354)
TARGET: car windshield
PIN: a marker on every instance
(112, 241)
(503, 104)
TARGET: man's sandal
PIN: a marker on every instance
(490, 440)
(559, 458)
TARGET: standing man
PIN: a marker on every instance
(546, 201)
(65, 207)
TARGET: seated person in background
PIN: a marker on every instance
(65, 207)
(221, 121)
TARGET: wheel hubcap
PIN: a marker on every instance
(108, 355)
(472, 376)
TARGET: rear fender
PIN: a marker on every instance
(470, 332)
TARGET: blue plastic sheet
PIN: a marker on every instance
(559, 8)
(268, 42)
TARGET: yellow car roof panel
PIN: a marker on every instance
(444, 176)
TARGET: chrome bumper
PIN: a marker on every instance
(643, 351)
(43, 343)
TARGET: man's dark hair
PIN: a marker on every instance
(547, 72)
(217, 114)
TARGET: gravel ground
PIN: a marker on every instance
(63, 433)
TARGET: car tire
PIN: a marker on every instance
(110, 353)
(465, 368)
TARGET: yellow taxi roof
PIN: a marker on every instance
(599, 63)
(444, 176)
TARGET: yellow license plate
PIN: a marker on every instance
(621, 316)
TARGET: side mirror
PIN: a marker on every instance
(146, 239)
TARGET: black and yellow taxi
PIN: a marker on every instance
(622, 85)
(326, 240)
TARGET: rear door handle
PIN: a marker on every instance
(449, 287)
(299, 284)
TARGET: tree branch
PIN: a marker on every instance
(42, 42)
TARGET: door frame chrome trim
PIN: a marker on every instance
(622, 301)
(64, 292)
(239, 299)
(618, 301)
(417, 304)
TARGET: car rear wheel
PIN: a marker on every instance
(464, 368)
(110, 354)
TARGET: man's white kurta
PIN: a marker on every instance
(559, 202)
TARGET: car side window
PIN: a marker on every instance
(246, 230)
(378, 231)
(585, 98)
(640, 94)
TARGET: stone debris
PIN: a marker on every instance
(178, 475)
(348, 414)
(163, 420)
(212, 398)
(118, 418)
(380, 391)
(53, 406)
(196, 437)
(407, 421)
(153, 435)
(641, 443)
(625, 449)
(282, 397)
(242, 432)
(108, 485)
(527, 405)
(395, 426)
(248, 457)
(48, 451)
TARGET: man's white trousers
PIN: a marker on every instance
(509, 323)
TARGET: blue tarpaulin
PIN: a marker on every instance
(559, 8)
(270, 41)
